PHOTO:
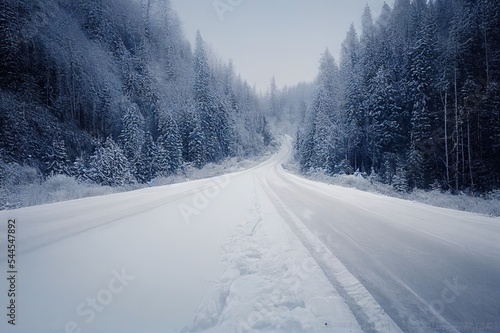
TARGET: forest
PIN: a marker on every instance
(110, 92)
(413, 102)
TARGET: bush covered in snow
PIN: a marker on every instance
(23, 186)
(488, 204)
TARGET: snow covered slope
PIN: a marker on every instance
(255, 251)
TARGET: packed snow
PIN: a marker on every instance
(209, 255)
(226, 254)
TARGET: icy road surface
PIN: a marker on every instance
(256, 251)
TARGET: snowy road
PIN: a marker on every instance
(257, 251)
(431, 269)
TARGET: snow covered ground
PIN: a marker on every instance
(208, 254)
(24, 186)
(487, 204)
(235, 253)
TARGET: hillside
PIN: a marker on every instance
(111, 92)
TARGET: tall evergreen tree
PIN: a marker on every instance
(169, 148)
(132, 135)
(351, 83)
(369, 65)
(324, 137)
(146, 165)
(204, 102)
(385, 130)
(422, 88)
(196, 147)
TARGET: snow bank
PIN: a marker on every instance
(210, 170)
(54, 189)
(488, 205)
(270, 283)
(23, 186)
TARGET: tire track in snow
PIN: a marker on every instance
(411, 311)
(271, 283)
(366, 309)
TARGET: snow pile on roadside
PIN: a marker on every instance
(489, 205)
(54, 189)
(270, 284)
(230, 165)
(24, 187)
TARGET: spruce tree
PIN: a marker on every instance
(132, 135)
(56, 159)
(109, 166)
(169, 148)
(147, 164)
(79, 170)
(204, 104)
(422, 89)
(196, 152)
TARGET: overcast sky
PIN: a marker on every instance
(284, 38)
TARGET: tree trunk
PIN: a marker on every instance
(469, 152)
(446, 138)
(456, 133)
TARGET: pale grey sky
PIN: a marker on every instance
(284, 38)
